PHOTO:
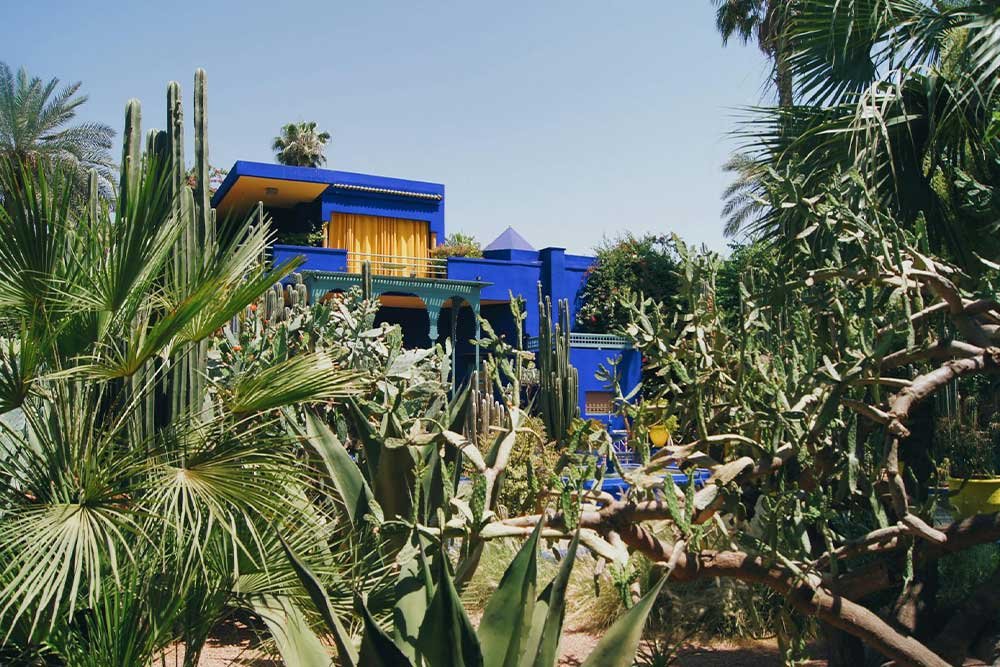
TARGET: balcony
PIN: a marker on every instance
(398, 265)
(339, 260)
(336, 270)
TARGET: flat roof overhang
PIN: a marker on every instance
(280, 186)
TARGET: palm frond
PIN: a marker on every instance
(304, 378)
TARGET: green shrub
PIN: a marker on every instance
(626, 266)
(312, 238)
(532, 463)
(458, 245)
(961, 573)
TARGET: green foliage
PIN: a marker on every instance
(458, 244)
(34, 117)
(216, 175)
(300, 145)
(518, 627)
(136, 495)
(963, 573)
(533, 461)
(624, 268)
(746, 269)
(313, 239)
(971, 449)
(765, 22)
(903, 94)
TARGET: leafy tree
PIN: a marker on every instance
(746, 271)
(301, 145)
(626, 266)
(35, 128)
(809, 401)
(216, 175)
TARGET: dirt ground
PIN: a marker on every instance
(235, 645)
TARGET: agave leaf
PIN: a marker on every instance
(447, 638)
(296, 642)
(618, 645)
(542, 646)
(351, 486)
(506, 620)
(317, 593)
(377, 649)
(414, 591)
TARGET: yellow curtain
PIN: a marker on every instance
(394, 246)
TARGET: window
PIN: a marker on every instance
(598, 402)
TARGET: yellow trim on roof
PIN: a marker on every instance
(248, 190)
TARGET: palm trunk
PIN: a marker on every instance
(783, 75)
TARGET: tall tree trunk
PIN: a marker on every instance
(783, 75)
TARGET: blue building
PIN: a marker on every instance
(395, 225)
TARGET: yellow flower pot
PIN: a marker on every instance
(658, 435)
(978, 496)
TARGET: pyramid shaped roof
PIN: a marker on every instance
(509, 239)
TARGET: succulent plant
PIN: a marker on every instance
(559, 381)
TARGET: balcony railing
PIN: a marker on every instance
(592, 340)
(398, 265)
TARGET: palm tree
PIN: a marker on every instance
(905, 95)
(300, 145)
(34, 126)
(763, 21)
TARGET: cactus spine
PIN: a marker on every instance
(559, 382)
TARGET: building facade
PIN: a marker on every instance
(394, 225)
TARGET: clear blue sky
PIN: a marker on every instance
(568, 120)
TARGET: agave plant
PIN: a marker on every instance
(429, 626)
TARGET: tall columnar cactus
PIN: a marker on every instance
(274, 304)
(131, 154)
(297, 294)
(180, 386)
(485, 411)
(559, 381)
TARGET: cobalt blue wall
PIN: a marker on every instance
(587, 362)
(317, 259)
(562, 277)
(519, 277)
(336, 200)
(573, 279)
